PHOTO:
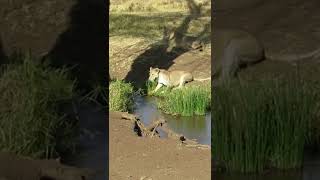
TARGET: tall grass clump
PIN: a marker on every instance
(262, 125)
(187, 101)
(120, 96)
(30, 96)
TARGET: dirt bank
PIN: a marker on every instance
(286, 28)
(134, 157)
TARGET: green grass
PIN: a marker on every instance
(120, 96)
(187, 101)
(30, 96)
(163, 91)
(262, 125)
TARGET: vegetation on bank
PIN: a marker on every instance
(263, 124)
(120, 96)
(187, 101)
(31, 94)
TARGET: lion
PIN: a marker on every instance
(176, 79)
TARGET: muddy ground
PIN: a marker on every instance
(143, 158)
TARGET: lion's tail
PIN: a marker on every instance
(202, 79)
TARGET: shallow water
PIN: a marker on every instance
(194, 127)
(92, 151)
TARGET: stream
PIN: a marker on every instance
(195, 127)
(92, 151)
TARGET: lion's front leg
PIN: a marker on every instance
(157, 88)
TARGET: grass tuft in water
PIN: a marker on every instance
(30, 95)
(262, 124)
(187, 101)
(120, 96)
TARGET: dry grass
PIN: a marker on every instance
(151, 5)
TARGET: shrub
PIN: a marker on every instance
(120, 96)
(30, 94)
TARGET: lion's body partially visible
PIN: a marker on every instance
(172, 79)
(232, 49)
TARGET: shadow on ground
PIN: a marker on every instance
(83, 45)
(3, 56)
(158, 55)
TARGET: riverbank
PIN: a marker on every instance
(134, 157)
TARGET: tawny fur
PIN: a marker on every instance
(175, 79)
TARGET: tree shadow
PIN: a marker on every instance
(161, 55)
(83, 45)
(83, 48)
(3, 56)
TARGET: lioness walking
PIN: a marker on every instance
(176, 79)
(233, 49)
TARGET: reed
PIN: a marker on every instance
(187, 101)
(262, 124)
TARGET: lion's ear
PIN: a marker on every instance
(150, 68)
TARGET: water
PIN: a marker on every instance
(195, 127)
(92, 151)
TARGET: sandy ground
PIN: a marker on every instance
(138, 158)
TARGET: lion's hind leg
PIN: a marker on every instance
(181, 83)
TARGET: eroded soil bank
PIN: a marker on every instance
(134, 157)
